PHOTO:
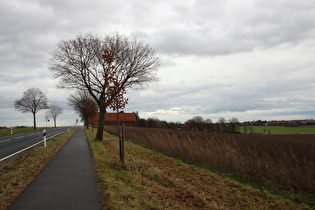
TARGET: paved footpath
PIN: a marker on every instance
(66, 182)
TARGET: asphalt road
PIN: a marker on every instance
(14, 143)
(66, 182)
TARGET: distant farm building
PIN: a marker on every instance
(128, 119)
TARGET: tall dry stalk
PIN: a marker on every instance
(281, 161)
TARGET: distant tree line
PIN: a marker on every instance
(17, 126)
(153, 122)
(197, 123)
(286, 123)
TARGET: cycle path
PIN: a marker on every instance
(66, 182)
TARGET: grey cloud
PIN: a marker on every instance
(184, 42)
(218, 28)
(218, 56)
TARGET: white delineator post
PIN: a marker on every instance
(44, 132)
(11, 131)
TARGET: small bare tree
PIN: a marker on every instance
(119, 102)
(222, 124)
(79, 63)
(208, 125)
(90, 109)
(83, 104)
(196, 123)
(32, 101)
(233, 124)
(54, 111)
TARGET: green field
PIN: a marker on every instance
(7, 131)
(274, 130)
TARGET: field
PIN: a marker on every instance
(276, 130)
(7, 131)
(151, 180)
(282, 163)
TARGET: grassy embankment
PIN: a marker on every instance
(279, 130)
(151, 180)
(17, 174)
(7, 131)
(281, 163)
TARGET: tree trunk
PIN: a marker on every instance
(34, 120)
(100, 127)
(87, 122)
(55, 119)
(122, 145)
(119, 135)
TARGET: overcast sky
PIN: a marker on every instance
(249, 59)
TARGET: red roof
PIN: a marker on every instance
(122, 117)
(111, 117)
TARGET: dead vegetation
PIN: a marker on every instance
(150, 180)
(283, 163)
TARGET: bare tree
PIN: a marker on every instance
(196, 122)
(222, 123)
(83, 104)
(80, 64)
(115, 88)
(32, 101)
(89, 110)
(54, 111)
(153, 122)
(233, 123)
(208, 124)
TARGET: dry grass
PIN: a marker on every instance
(283, 163)
(150, 180)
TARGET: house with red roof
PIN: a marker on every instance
(128, 119)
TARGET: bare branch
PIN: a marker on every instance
(83, 104)
(54, 111)
(79, 64)
(32, 101)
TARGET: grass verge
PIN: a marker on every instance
(7, 131)
(154, 181)
(17, 174)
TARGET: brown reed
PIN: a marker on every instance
(283, 162)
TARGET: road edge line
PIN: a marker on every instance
(29, 147)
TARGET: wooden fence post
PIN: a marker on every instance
(122, 144)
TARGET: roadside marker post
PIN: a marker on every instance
(11, 131)
(44, 133)
(68, 128)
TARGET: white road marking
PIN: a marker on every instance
(5, 141)
(29, 146)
